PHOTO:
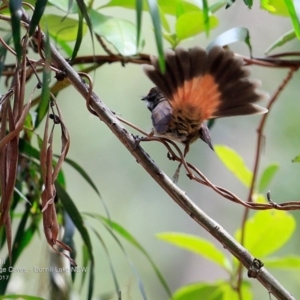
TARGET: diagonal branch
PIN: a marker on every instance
(105, 115)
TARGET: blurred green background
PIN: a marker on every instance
(133, 198)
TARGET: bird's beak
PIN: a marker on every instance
(144, 98)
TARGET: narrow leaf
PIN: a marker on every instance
(78, 222)
(234, 163)
(237, 34)
(3, 51)
(79, 36)
(288, 36)
(294, 12)
(206, 17)
(129, 237)
(217, 6)
(44, 103)
(38, 12)
(15, 7)
(296, 159)
(139, 15)
(197, 245)
(83, 173)
(288, 262)
(23, 297)
(154, 12)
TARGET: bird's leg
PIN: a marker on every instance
(176, 175)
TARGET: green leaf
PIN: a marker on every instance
(296, 159)
(155, 16)
(234, 163)
(217, 6)
(15, 7)
(267, 176)
(294, 12)
(249, 3)
(130, 238)
(120, 33)
(233, 35)
(22, 239)
(139, 15)
(38, 12)
(45, 95)
(197, 245)
(64, 6)
(288, 36)
(59, 28)
(206, 12)
(192, 23)
(289, 262)
(196, 291)
(78, 36)
(74, 214)
(267, 231)
(23, 297)
(83, 173)
(3, 51)
(276, 7)
(220, 290)
(167, 6)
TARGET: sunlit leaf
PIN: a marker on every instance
(277, 7)
(220, 290)
(296, 159)
(197, 245)
(192, 23)
(119, 32)
(288, 262)
(267, 231)
(233, 35)
(288, 36)
(167, 6)
(3, 51)
(267, 176)
(294, 12)
(196, 291)
(234, 163)
(23, 297)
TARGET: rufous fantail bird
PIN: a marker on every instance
(197, 86)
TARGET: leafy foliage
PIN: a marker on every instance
(32, 174)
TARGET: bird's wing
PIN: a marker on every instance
(205, 84)
(161, 116)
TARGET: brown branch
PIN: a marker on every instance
(105, 114)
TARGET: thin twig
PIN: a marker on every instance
(256, 164)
